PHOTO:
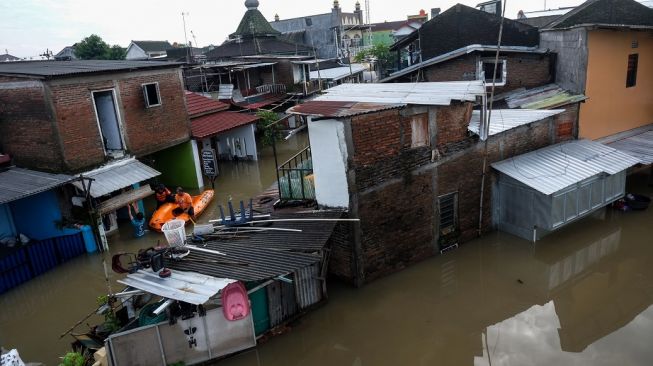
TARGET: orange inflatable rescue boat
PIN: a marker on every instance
(165, 212)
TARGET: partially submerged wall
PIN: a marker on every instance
(395, 187)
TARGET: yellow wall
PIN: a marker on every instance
(611, 107)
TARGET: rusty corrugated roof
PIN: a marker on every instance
(336, 109)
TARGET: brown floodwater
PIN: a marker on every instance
(34, 314)
(581, 296)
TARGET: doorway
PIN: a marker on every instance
(107, 115)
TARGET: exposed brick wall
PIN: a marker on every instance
(397, 188)
(341, 263)
(78, 126)
(146, 130)
(523, 70)
(27, 132)
(452, 124)
(397, 225)
(567, 123)
(152, 129)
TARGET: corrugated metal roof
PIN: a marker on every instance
(507, 119)
(17, 183)
(263, 255)
(337, 73)
(457, 53)
(189, 287)
(639, 146)
(439, 93)
(339, 109)
(215, 123)
(254, 66)
(77, 67)
(557, 167)
(543, 97)
(117, 175)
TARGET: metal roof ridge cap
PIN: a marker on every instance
(110, 165)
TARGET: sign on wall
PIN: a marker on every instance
(209, 163)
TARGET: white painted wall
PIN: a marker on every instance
(135, 53)
(329, 151)
(198, 164)
(244, 134)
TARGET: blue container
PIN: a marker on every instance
(89, 239)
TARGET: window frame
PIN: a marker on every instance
(427, 137)
(631, 74)
(454, 224)
(504, 71)
(118, 117)
(146, 94)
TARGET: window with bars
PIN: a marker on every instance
(448, 213)
(631, 75)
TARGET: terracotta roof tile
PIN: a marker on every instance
(215, 123)
(199, 105)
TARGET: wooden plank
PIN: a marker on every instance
(124, 199)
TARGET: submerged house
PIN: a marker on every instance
(539, 192)
(406, 160)
(100, 119)
(230, 135)
(256, 61)
(34, 236)
(282, 267)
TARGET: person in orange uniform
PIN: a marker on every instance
(163, 195)
(185, 202)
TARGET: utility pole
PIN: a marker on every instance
(183, 18)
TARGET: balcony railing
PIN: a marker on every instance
(296, 177)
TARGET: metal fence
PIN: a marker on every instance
(296, 177)
(190, 341)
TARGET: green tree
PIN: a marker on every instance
(380, 53)
(269, 131)
(116, 53)
(94, 48)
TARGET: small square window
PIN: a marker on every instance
(419, 130)
(152, 95)
(448, 213)
(631, 75)
(486, 69)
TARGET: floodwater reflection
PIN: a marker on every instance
(581, 296)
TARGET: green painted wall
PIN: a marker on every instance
(384, 37)
(177, 166)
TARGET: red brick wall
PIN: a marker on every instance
(152, 129)
(523, 70)
(566, 123)
(452, 123)
(78, 126)
(146, 130)
(27, 132)
(397, 188)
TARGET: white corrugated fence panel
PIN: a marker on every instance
(507, 119)
(193, 288)
(557, 167)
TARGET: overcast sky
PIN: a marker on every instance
(28, 27)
